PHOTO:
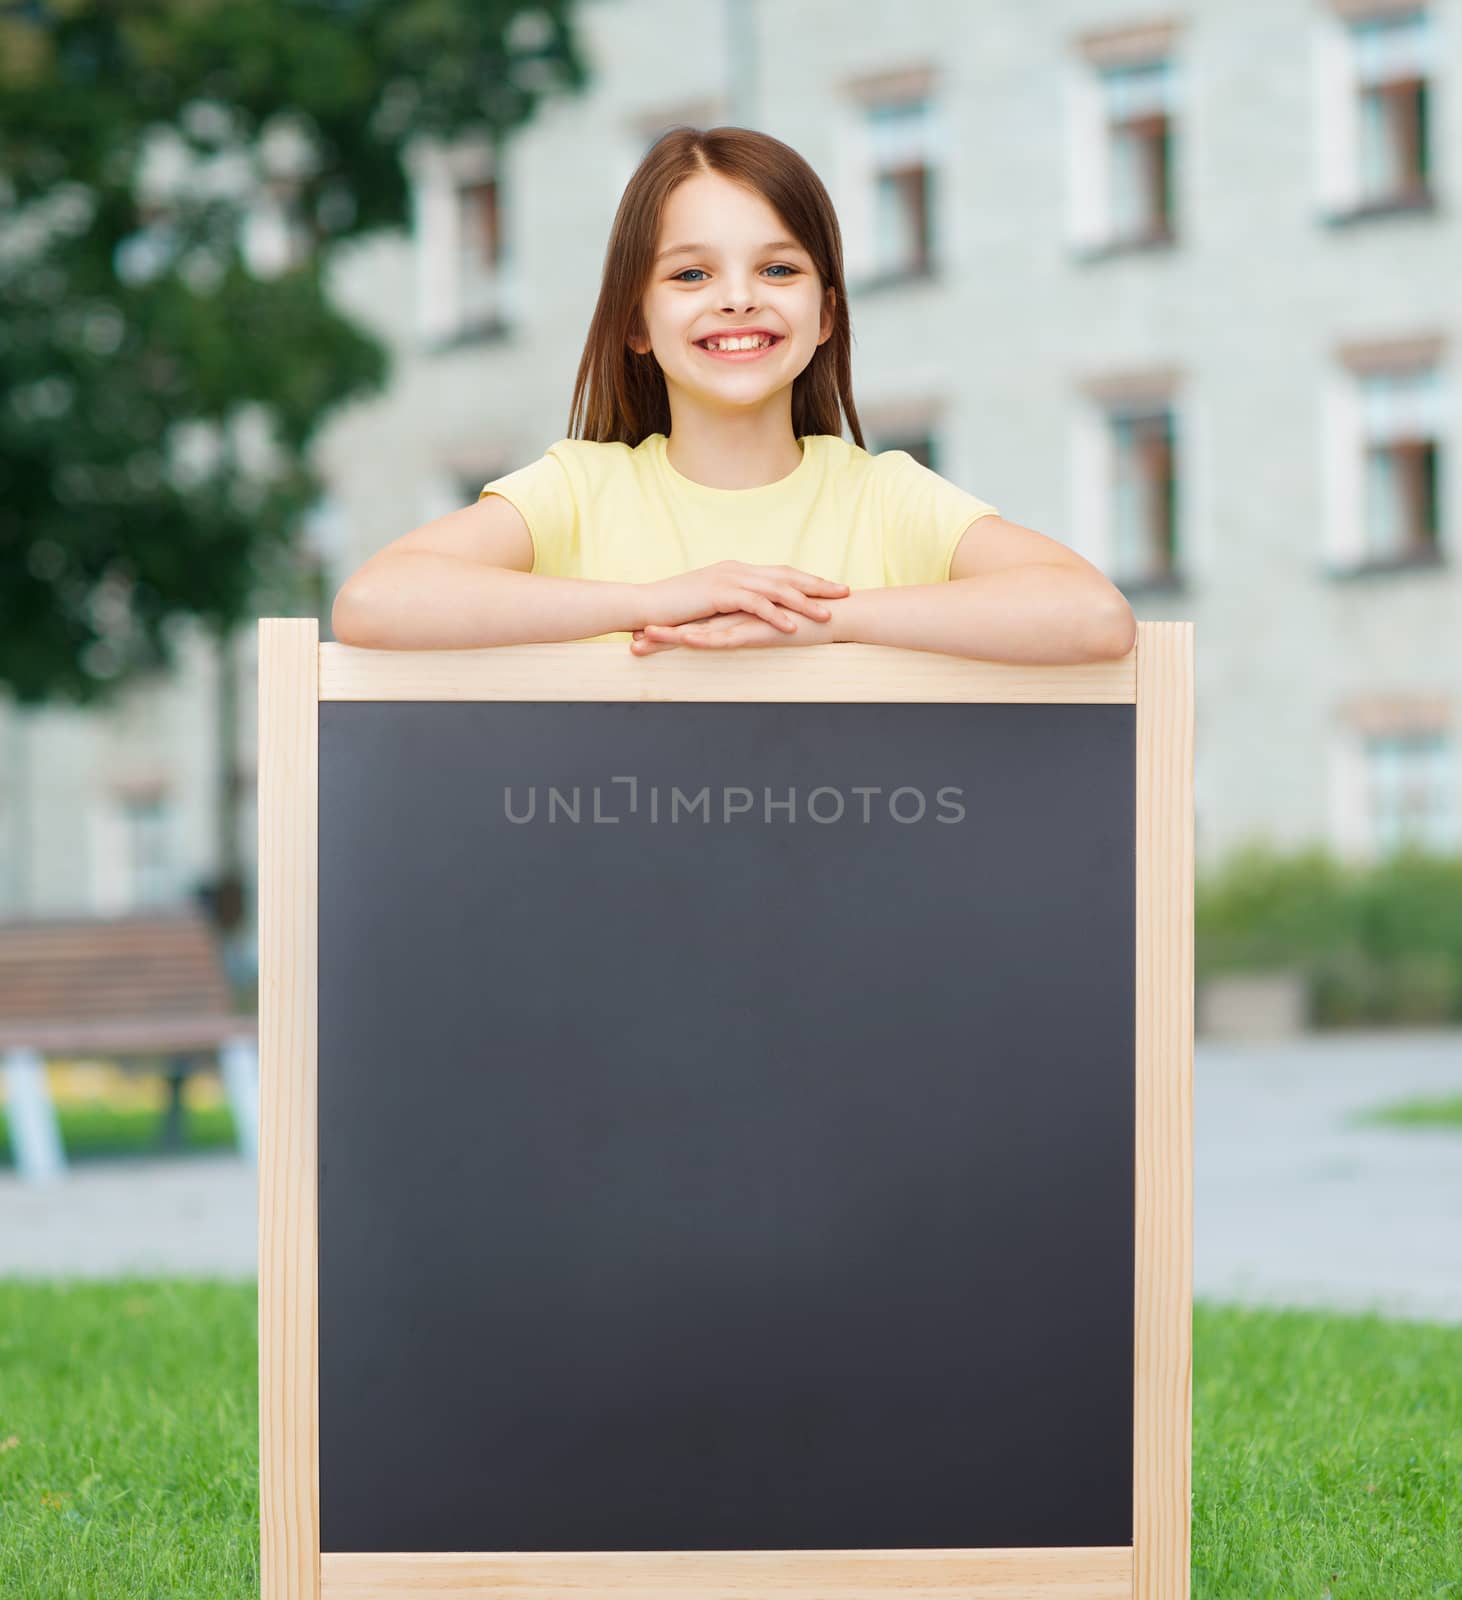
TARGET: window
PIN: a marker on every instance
(1125, 480)
(480, 250)
(1399, 415)
(1386, 456)
(131, 848)
(1144, 489)
(1123, 141)
(1391, 55)
(1411, 790)
(889, 200)
(145, 824)
(466, 286)
(1394, 775)
(899, 136)
(1376, 107)
(1139, 142)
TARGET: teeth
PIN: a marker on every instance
(750, 342)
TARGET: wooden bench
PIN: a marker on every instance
(146, 990)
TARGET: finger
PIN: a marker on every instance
(716, 638)
(665, 638)
(800, 602)
(794, 599)
(811, 582)
(767, 608)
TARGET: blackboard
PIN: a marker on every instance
(756, 1177)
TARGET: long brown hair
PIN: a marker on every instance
(620, 396)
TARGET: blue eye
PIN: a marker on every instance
(780, 266)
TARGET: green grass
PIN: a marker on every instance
(1326, 1449)
(93, 1130)
(134, 1472)
(1327, 1457)
(1441, 1113)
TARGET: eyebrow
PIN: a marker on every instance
(682, 249)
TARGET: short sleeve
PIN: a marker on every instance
(545, 500)
(924, 517)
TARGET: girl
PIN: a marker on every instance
(705, 497)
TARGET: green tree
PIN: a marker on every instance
(159, 391)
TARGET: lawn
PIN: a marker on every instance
(108, 1111)
(93, 1130)
(1327, 1457)
(1443, 1112)
(1326, 1449)
(129, 1455)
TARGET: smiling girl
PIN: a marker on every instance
(705, 497)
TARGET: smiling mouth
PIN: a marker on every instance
(750, 354)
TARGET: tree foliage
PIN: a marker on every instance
(159, 387)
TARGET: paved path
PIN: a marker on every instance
(1291, 1207)
(194, 1215)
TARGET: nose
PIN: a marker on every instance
(743, 301)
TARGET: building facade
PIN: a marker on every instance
(1180, 292)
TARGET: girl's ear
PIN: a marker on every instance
(830, 300)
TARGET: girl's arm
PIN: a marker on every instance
(1014, 595)
(464, 580)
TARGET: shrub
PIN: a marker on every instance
(1378, 942)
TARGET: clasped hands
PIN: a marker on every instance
(734, 603)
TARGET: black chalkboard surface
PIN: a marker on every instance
(726, 1178)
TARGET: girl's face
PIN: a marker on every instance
(740, 270)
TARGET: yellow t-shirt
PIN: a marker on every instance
(622, 513)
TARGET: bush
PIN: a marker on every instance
(1378, 943)
(1347, 987)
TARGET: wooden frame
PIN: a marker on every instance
(296, 672)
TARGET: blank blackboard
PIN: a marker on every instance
(725, 1122)
(725, 1176)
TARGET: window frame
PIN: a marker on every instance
(451, 308)
(1095, 127)
(1342, 92)
(1105, 404)
(910, 163)
(1351, 445)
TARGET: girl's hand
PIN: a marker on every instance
(731, 587)
(730, 631)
